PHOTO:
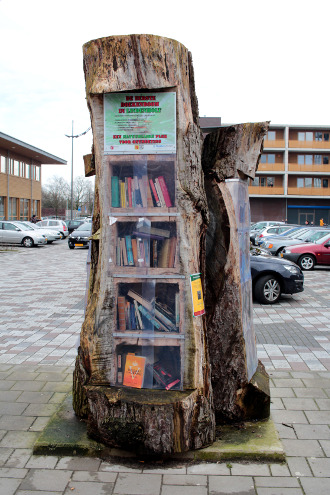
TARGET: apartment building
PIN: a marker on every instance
(293, 178)
(20, 178)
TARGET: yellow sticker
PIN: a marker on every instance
(197, 294)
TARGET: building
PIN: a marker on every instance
(20, 178)
(293, 178)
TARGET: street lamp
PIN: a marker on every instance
(72, 136)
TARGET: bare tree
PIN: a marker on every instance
(83, 192)
(55, 194)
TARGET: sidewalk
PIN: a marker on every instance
(41, 310)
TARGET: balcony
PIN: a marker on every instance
(262, 190)
(272, 167)
(308, 191)
(294, 167)
(279, 143)
(325, 145)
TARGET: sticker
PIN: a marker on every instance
(197, 294)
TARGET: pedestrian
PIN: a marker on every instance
(307, 222)
(322, 222)
(33, 219)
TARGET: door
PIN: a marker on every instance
(306, 217)
(11, 234)
(324, 254)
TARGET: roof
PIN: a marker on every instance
(209, 122)
(27, 150)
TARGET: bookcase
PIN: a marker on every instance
(148, 327)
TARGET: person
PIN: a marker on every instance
(33, 219)
(307, 222)
(322, 222)
(312, 223)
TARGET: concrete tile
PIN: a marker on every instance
(5, 453)
(310, 392)
(231, 484)
(286, 430)
(312, 432)
(280, 491)
(19, 458)
(138, 484)
(299, 466)
(318, 417)
(9, 472)
(324, 405)
(251, 469)
(25, 385)
(320, 467)
(19, 439)
(8, 486)
(184, 479)
(44, 479)
(165, 470)
(79, 463)
(42, 462)
(183, 490)
(119, 468)
(299, 404)
(276, 482)
(289, 383)
(303, 448)
(33, 492)
(289, 417)
(88, 488)
(282, 392)
(325, 444)
(40, 423)
(6, 384)
(35, 397)
(279, 470)
(40, 409)
(97, 476)
(9, 395)
(16, 422)
(313, 486)
(209, 469)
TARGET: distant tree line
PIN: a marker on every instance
(56, 195)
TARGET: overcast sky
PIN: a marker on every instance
(254, 60)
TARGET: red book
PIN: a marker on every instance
(163, 187)
(154, 192)
(129, 187)
(121, 313)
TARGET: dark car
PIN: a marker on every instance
(73, 224)
(79, 237)
(271, 278)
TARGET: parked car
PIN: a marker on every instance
(257, 227)
(74, 224)
(79, 237)
(307, 255)
(53, 224)
(272, 277)
(51, 235)
(15, 233)
(275, 246)
(272, 230)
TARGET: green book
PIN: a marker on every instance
(115, 197)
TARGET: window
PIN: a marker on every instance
(24, 209)
(326, 136)
(301, 136)
(308, 182)
(2, 164)
(270, 181)
(300, 182)
(317, 182)
(28, 171)
(305, 136)
(325, 160)
(255, 182)
(309, 136)
(16, 168)
(12, 213)
(35, 204)
(324, 182)
(2, 207)
(271, 158)
(308, 159)
(38, 173)
(301, 159)
(318, 136)
(262, 181)
(271, 135)
(263, 159)
(9, 226)
(318, 159)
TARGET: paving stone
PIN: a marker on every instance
(300, 404)
(19, 439)
(316, 432)
(33, 492)
(279, 470)
(286, 430)
(184, 479)
(251, 469)
(6, 384)
(316, 382)
(97, 476)
(290, 417)
(138, 484)
(209, 468)
(282, 392)
(5, 453)
(40, 409)
(119, 468)
(9, 395)
(79, 463)
(318, 417)
(59, 387)
(183, 490)
(18, 458)
(302, 448)
(9, 472)
(310, 392)
(299, 466)
(320, 467)
(88, 488)
(23, 375)
(35, 397)
(315, 486)
(289, 382)
(16, 422)
(280, 491)
(231, 484)
(25, 385)
(324, 405)
(46, 479)
(42, 462)
(165, 470)
(53, 376)
(8, 486)
(40, 423)
(276, 482)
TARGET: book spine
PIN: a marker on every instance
(122, 194)
(154, 254)
(138, 315)
(115, 201)
(166, 196)
(150, 203)
(132, 316)
(140, 300)
(121, 303)
(120, 368)
(152, 320)
(143, 193)
(134, 249)
(129, 250)
(177, 309)
(118, 257)
(157, 202)
(124, 251)
(160, 194)
(129, 187)
(146, 245)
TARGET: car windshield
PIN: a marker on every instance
(304, 235)
(25, 226)
(296, 233)
(85, 226)
(318, 235)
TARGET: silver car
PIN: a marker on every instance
(51, 235)
(15, 233)
(53, 224)
(274, 246)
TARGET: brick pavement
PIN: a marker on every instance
(41, 310)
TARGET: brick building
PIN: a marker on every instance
(20, 178)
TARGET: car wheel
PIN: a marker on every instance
(267, 289)
(63, 236)
(71, 246)
(306, 262)
(27, 242)
(279, 250)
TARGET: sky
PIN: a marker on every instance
(253, 60)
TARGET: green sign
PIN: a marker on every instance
(139, 123)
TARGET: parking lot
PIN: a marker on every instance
(41, 312)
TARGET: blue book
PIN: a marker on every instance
(132, 315)
(129, 250)
(115, 196)
(152, 320)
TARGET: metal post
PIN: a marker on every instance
(72, 173)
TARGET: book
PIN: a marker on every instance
(129, 250)
(132, 317)
(154, 253)
(171, 257)
(119, 368)
(150, 203)
(162, 377)
(115, 196)
(164, 254)
(166, 195)
(159, 192)
(146, 304)
(118, 253)
(134, 371)
(135, 254)
(152, 320)
(124, 252)
(129, 188)
(143, 193)
(122, 194)
(138, 315)
(177, 309)
(121, 303)
(154, 192)
(147, 229)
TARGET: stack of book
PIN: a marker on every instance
(146, 247)
(139, 192)
(136, 313)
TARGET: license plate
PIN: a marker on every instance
(79, 245)
(281, 254)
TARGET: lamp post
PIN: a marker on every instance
(72, 136)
